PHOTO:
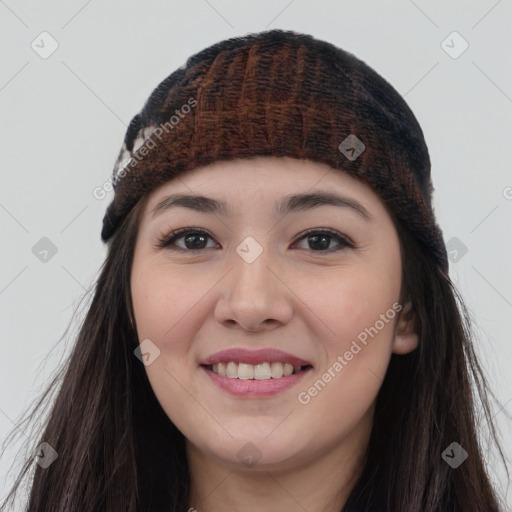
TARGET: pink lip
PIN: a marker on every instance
(255, 388)
(265, 355)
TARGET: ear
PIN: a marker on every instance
(406, 336)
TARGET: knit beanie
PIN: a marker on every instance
(281, 93)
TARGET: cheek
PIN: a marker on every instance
(356, 323)
(157, 310)
(163, 305)
(168, 302)
(348, 304)
(354, 362)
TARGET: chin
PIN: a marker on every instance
(253, 452)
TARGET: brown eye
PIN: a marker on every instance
(320, 240)
(194, 239)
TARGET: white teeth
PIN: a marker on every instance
(232, 370)
(277, 370)
(245, 371)
(287, 369)
(263, 371)
(221, 369)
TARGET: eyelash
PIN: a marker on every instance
(170, 238)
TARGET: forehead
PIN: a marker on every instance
(264, 179)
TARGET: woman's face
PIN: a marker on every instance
(245, 277)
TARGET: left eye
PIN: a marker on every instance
(195, 239)
(319, 238)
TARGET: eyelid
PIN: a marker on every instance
(328, 231)
(164, 241)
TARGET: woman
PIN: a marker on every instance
(274, 326)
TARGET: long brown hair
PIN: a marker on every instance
(118, 451)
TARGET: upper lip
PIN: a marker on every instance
(264, 355)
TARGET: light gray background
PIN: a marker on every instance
(63, 120)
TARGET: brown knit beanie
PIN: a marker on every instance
(280, 93)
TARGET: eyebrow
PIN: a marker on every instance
(290, 203)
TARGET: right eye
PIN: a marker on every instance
(194, 239)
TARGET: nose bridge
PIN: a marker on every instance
(252, 265)
(252, 293)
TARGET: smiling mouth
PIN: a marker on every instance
(263, 371)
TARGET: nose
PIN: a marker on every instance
(254, 296)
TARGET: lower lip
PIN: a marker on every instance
(256, 388)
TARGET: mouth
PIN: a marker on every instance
(255, 373)
(263, 371)
(262, 380)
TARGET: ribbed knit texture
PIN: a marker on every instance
(280, 93)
